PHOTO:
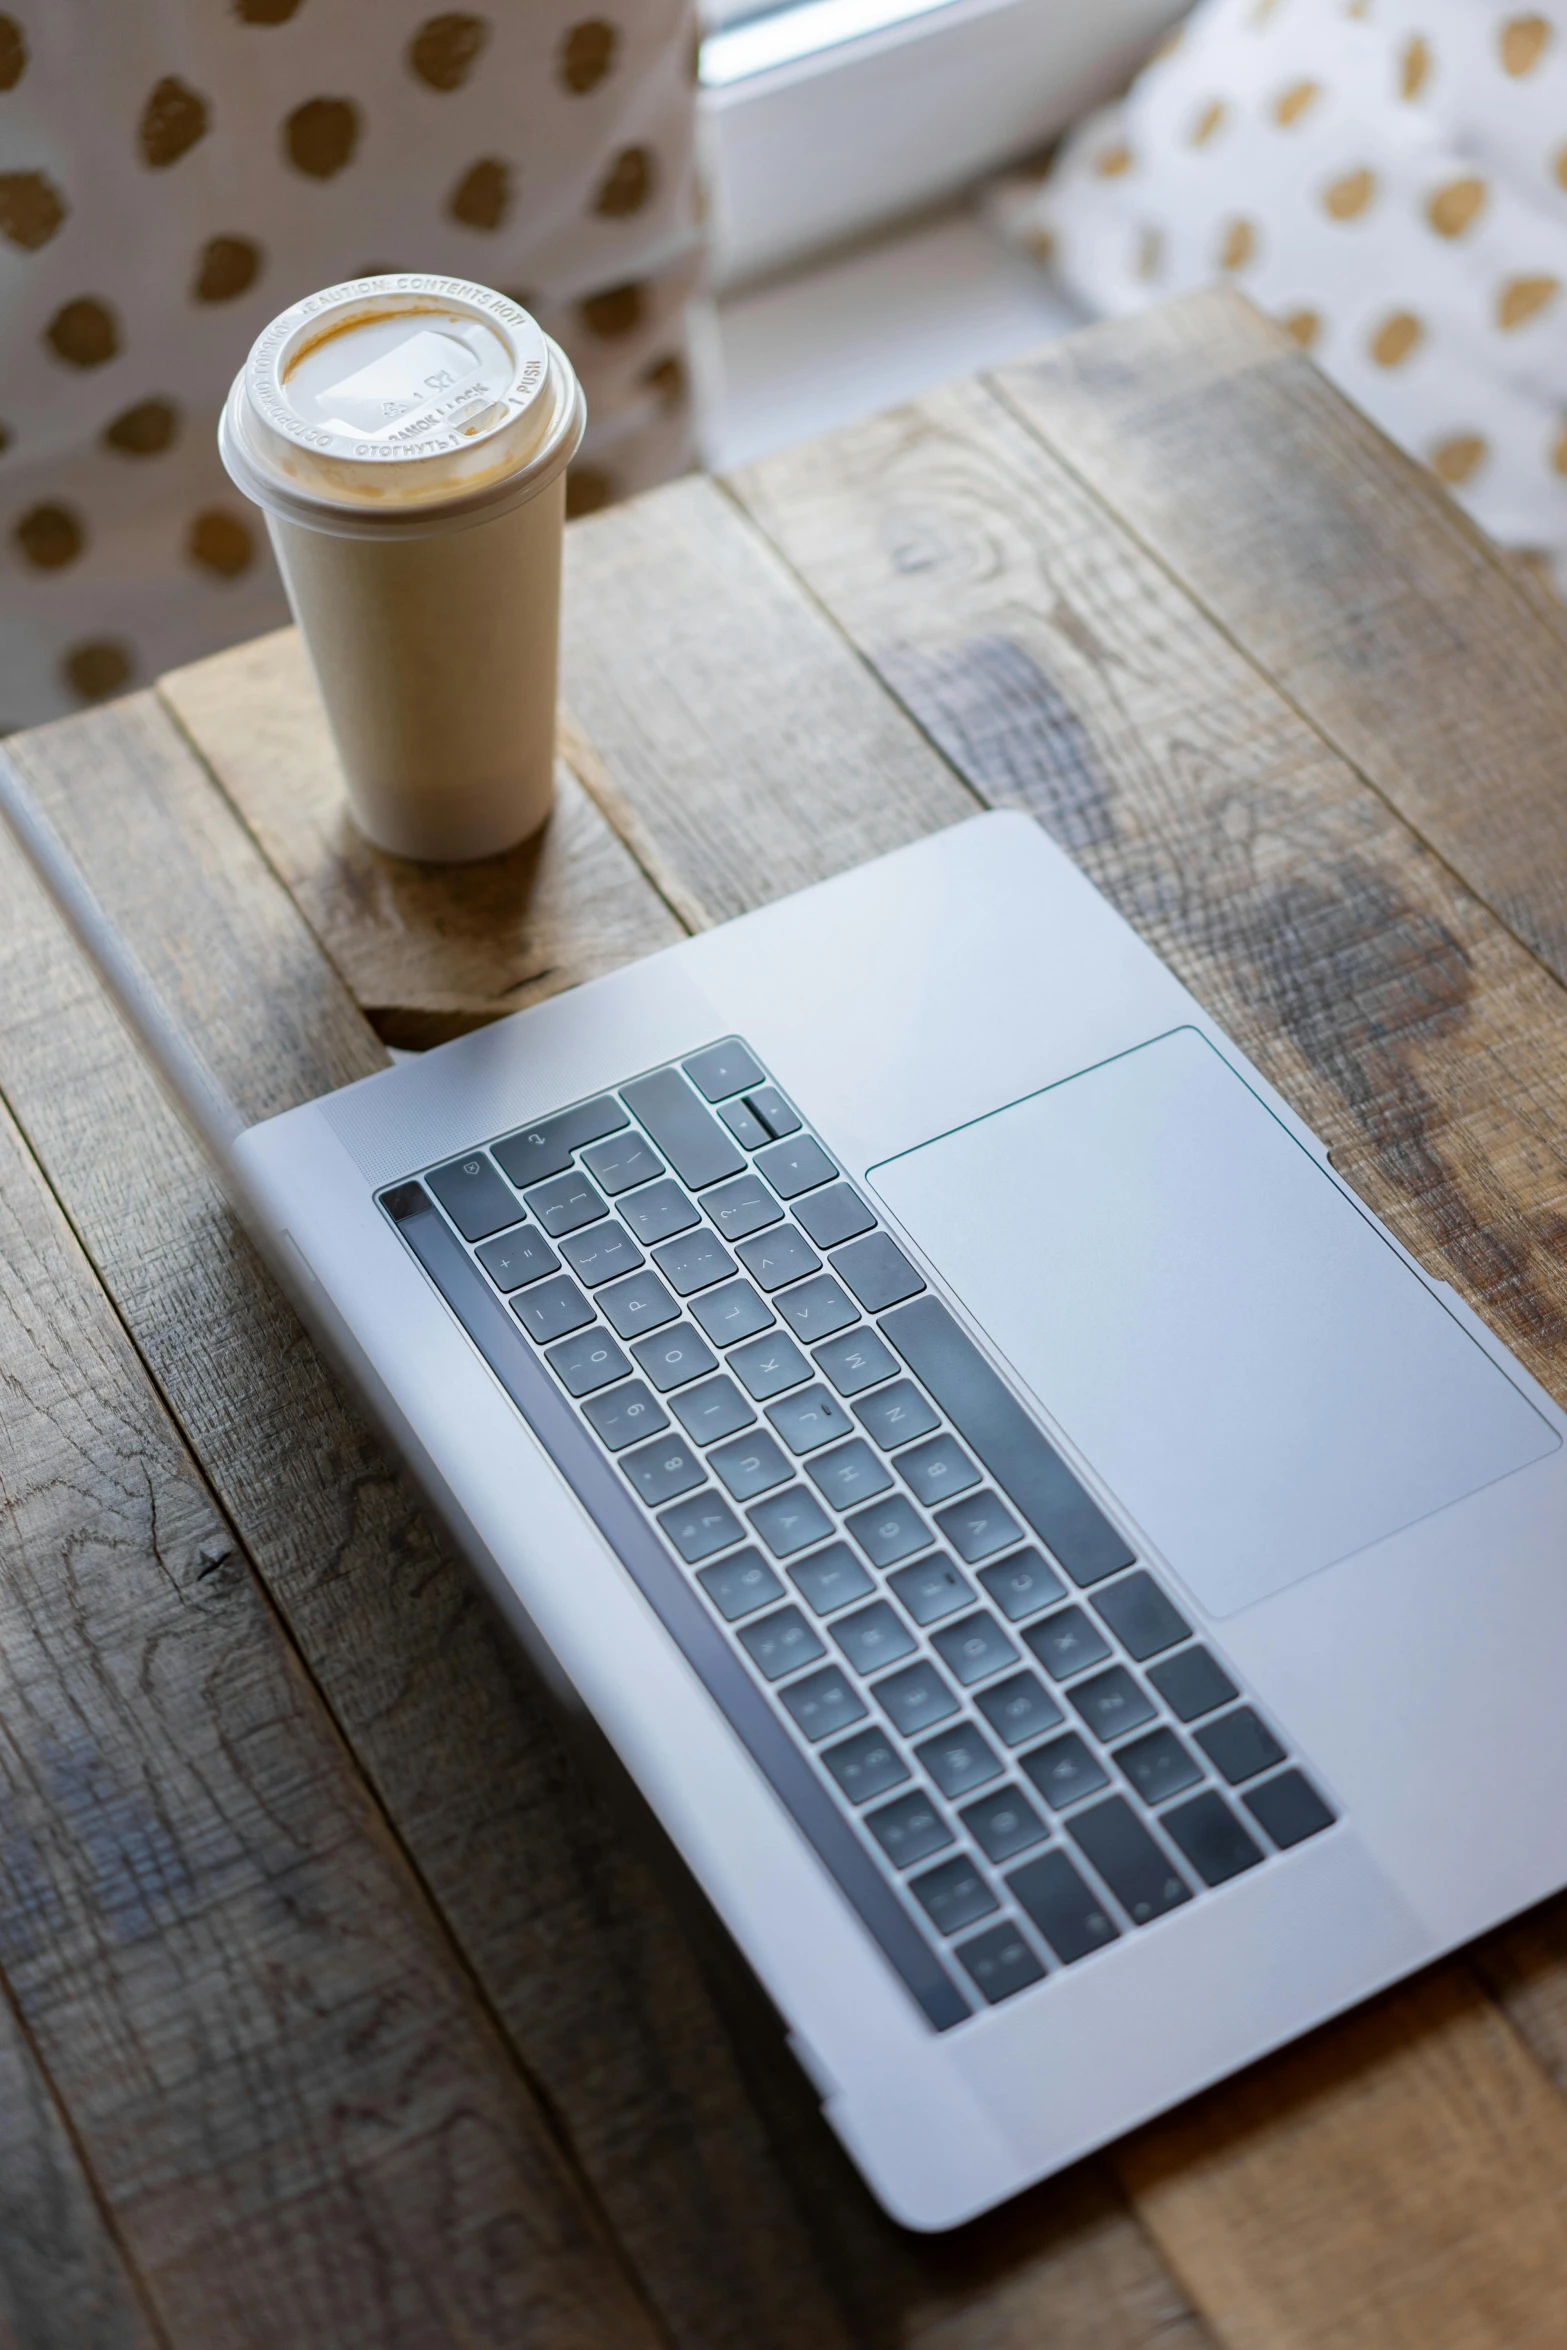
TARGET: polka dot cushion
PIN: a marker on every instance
(1388, 178)
(175, 172)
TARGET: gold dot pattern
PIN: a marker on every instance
(445, 50)
(555, 159)
(174, 118)
(1389, 179)
(1456, 206)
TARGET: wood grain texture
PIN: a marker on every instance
(726, 713)
(1394, 2183)
(1061, 670)
(300, 2117)
(64, 2281)
(574, 1943)
(1433, 662)
(427, 951)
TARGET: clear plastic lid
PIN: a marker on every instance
(405, 402)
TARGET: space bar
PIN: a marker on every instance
(1024, 1463)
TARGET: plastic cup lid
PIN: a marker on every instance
(398, 392)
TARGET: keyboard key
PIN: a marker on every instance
(601, 1252)
(774, 1112)
(715, 1408)
(674, 1356)
(689, 1136)
(566, 1204)
(916, 1699)
(796, 1166)
(866, 1765)
(974, 1649)
(1022, 1584)
(934, 1472)
(622, 1163)
(770, 1365)
(822, 1703)
(959, 1760)
(852, 1473)
(1239, 1745)
(872, 1637)
(695, 1261)
(953, 1895)
(979, 1527)
(909, 1830)
(659, 1212)
(1067, 1643)
(893, 1415)
(751, 1465)
(663, 1470)
(1212, 1838)
(733, 1312)
(743, 1206)
(1004, 1824)
(1073, 1920)
(589, 1361)
(816, 1309)
(833, 1216)
(744, 1124)
(1020, 1709)
(619, 1419)
(1143, 1879)
(1065, 1771)
(877, 1271)
(546, 1147)
(552, 1308)
(1140, 1616)
(739, 1586)
(807, 1420)
(888, 1531)
(1288, 1809)
(638, 1304)
(772, 1258)
(1112, 1704)
(1001, 1963)
(856, 1362)
(723, 1069)
(700, 1526)
(518, 1256)
(931, 1589)
(790, 1521)
(474, 1196)
(830, 1578)
(1192, 1684)
(994, 1425)
(781, 1642)
(1157, 1767)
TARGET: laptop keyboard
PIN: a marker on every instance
(994, 1724)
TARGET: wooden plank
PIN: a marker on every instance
(301, 2117)
(1290, 2203)
(754, 749)
(64, 2281)
(576, 1946)
(1060, 669)
(1432, 661)
(427, 951)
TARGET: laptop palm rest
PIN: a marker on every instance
(1259, 1379)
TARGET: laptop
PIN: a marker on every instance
(1084, 1603)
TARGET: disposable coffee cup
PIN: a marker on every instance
(407, 439)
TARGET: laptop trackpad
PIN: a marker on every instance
(1236, 1350)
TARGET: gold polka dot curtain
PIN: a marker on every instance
(1389, 178)
(175, 172)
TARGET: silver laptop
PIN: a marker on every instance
(1083, 1602)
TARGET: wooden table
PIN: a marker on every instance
(339, 2007)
